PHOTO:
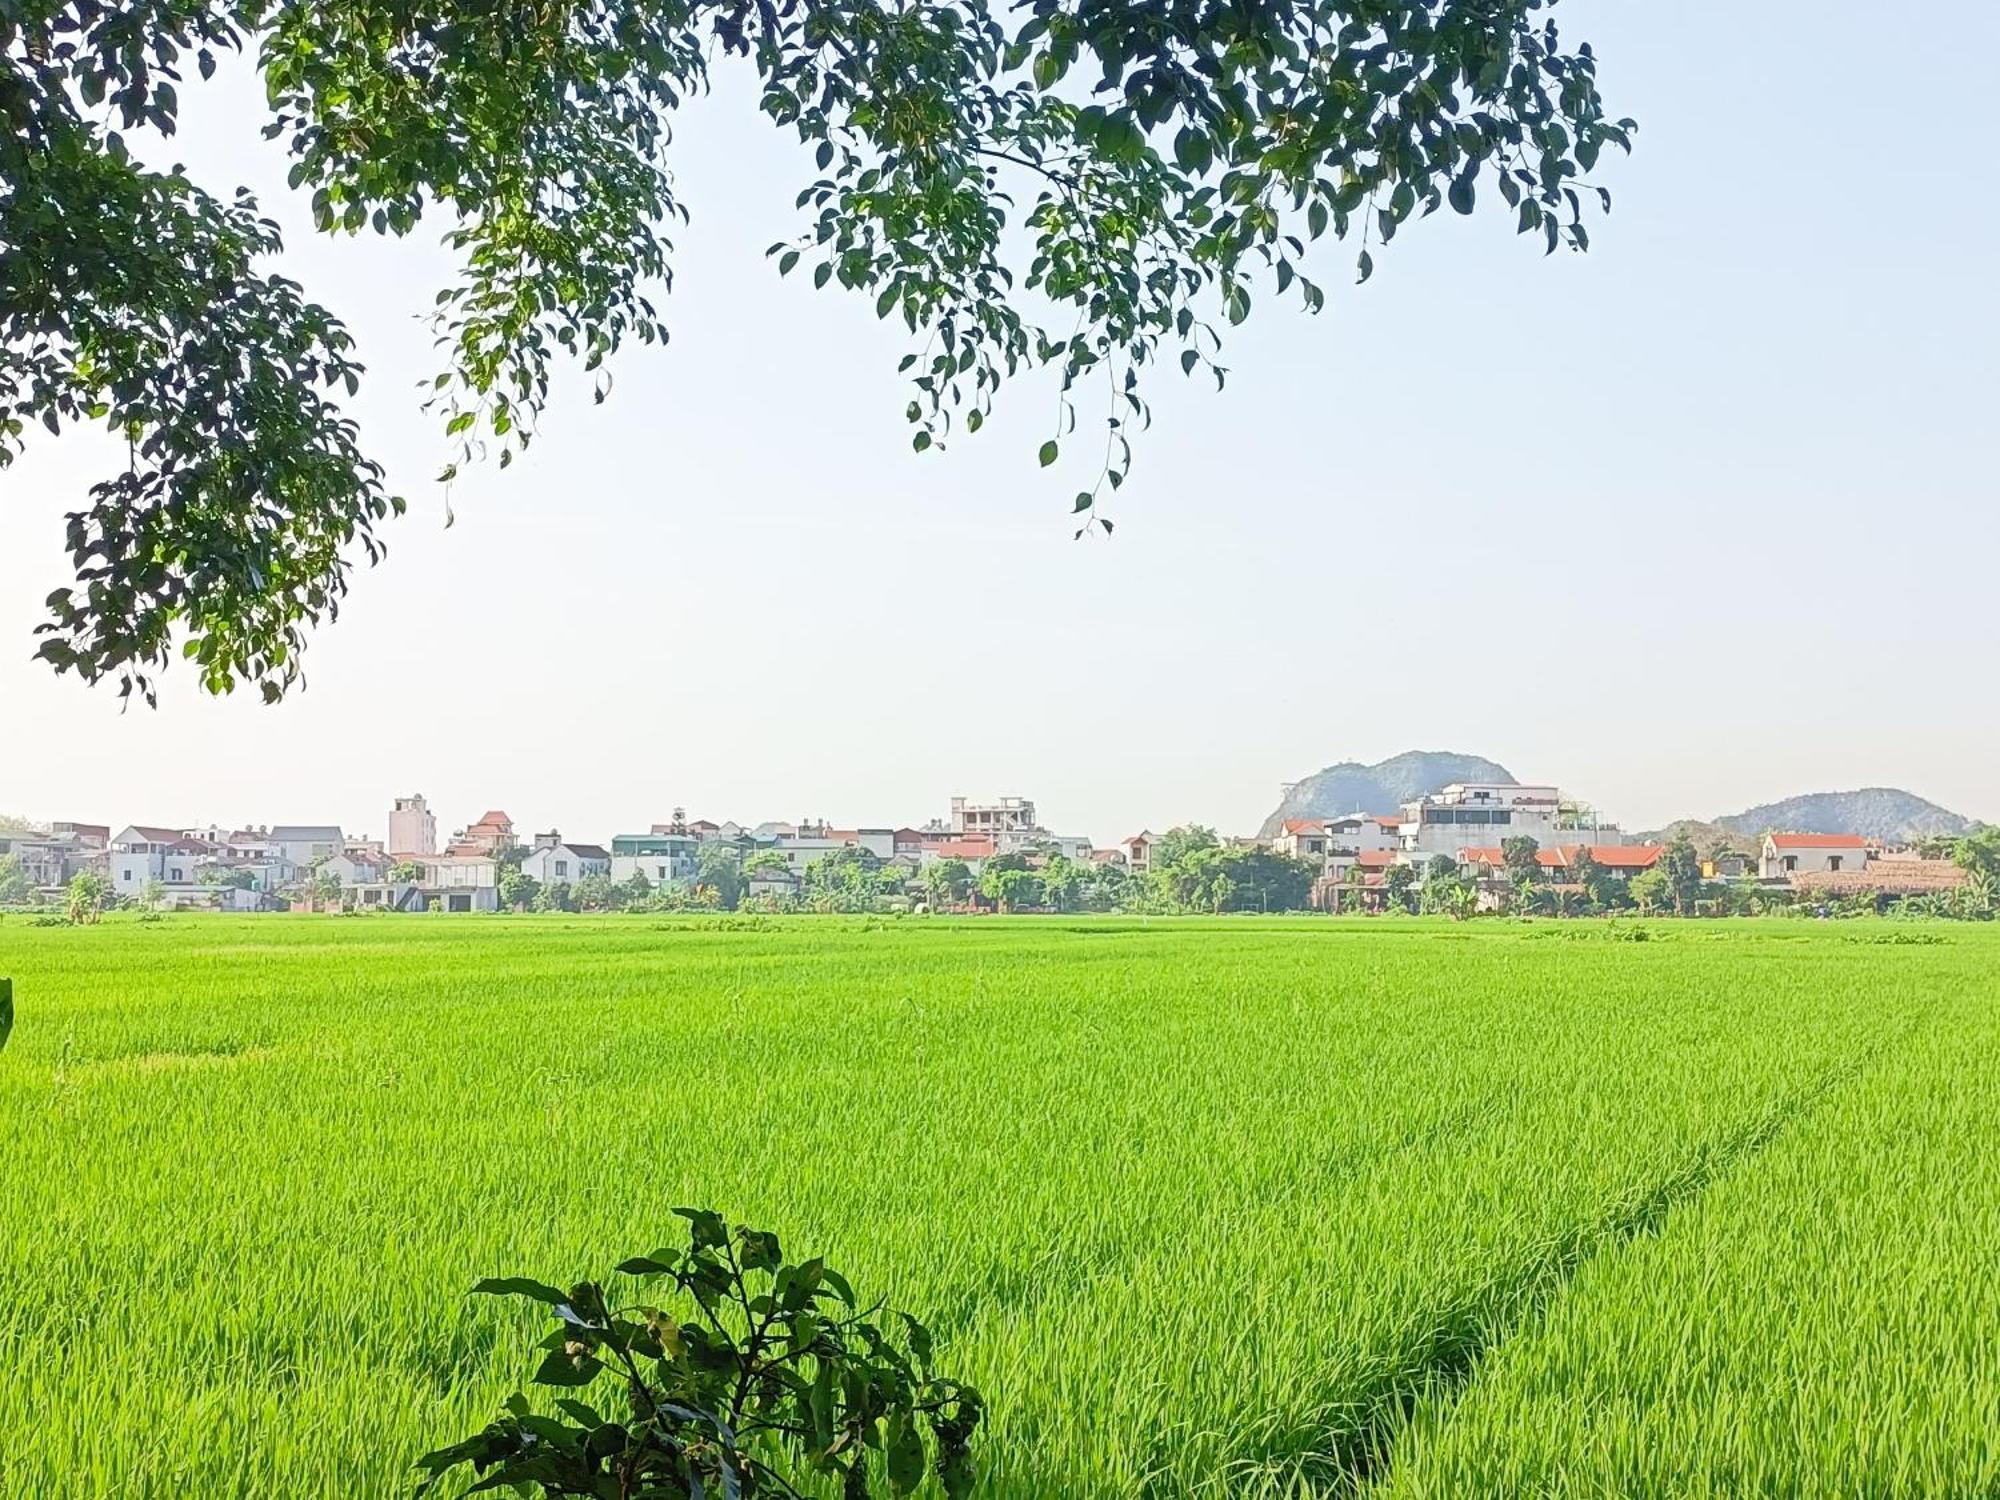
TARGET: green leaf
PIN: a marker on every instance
(903, 1448)
(1048, 453)
(1365, 266)
(1083, 502)
(1193, 151)
(821, 1402)
(705, 1227)
(646, 1265)
(521, 1286)
(1461, 194)
(559, 1369)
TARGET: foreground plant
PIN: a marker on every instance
(748, 1369)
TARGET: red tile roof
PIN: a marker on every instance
(962, 848)
(1305, 825)
(1616, 856)
(1548, 859)
(1375, 859)
(1819, 841)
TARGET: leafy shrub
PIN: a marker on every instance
(753, 1368)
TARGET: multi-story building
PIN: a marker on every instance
(1138, 851)
(306, 844)
(492, 835)
(1469, 814)
(412, 827)
(1008, 815)
(142, 854)
(459, 882)
(660, 857)
(50, 859)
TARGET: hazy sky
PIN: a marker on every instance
(1702, 518)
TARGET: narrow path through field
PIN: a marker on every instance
(1362, 1457)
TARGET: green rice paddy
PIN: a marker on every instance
(1227, 1208)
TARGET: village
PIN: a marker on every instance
(1495, 840)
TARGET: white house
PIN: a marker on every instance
(801, 850)
(352, 869)
(1811, 854)
(660, 857)
(1301, 838)
(460, 882)
(553, 862)
(141, 854)
(1069, 846)
(306, 844)
(1479, 813)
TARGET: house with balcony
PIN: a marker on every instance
(492, 835)
(660, 857)
(454, 882)
(1476, 814)
(144, 854)
(49, 860)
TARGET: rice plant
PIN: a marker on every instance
(1228, 1208)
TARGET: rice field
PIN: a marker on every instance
(1230, 1208)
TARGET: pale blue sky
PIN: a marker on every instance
(1671, 469)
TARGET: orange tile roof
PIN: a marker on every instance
(1305, 825)
(1375, 859)
(1618, 856)
(1819, 841)
(963, 848)
(1548, 859)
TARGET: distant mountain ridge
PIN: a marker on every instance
(1382, 787)
(1874, 812)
